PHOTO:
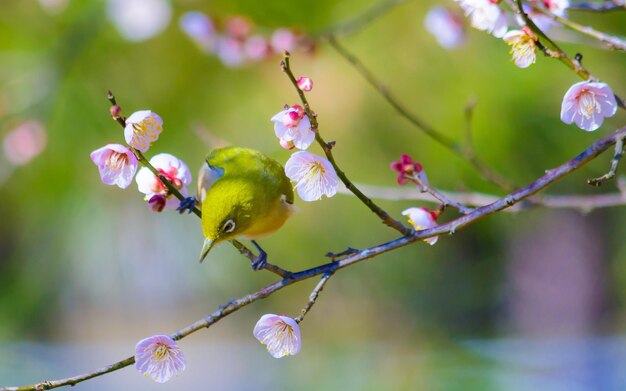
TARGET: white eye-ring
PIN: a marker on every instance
(229, 226)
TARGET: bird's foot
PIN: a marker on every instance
(260, 261)
(188, 204)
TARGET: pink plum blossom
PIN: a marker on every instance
(293, 124)
(314, 175)
(174, 169)
(256, 48)
(446, 26)
(200, 28)
(139, 20)
(24, 142)
(422, 218)
(159, 357)
(305, 83)
(238, 27)
(541, 20)
(523, 47)
(283, 39)
(485, 15)
(230, 51)
(117, 164)
(279, 334)
(405, 166)
(587, 104)
(557, 7)
(142, 129)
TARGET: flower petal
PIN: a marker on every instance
(280, 334)
(116, 163)
(422, 218)
(314, 176)
(587, 104)
(159, 357)
(142, 129)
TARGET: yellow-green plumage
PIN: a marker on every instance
(244, 194)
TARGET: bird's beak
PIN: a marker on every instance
(206, 247)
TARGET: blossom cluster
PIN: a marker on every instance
(585, 104)
(314, 175)
(236, 43)
(118, 163)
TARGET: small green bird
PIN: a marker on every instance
(244, 194)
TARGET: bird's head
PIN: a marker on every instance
(226, 213)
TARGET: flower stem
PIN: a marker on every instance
(313, 296)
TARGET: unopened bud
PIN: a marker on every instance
(115, 111)
(305, 83)
(157, 202)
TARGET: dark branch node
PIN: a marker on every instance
(344, 253)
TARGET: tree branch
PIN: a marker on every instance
(352, 26)
(313, 296)
(617, 156)
(582, 203)
(605, 6)
(424, 187)
(611, 41)
(451, 227)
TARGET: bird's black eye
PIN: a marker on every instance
(229, 226)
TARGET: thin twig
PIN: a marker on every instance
(174, 191)
(617, 156)
(384, 216)
(431, 132)
(313, 296)
(467, 128)
(451, 227)
(611, 41)
(424, 187)
(582, 203)
(364, 19)
(605, 6)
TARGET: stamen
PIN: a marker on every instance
(116, 160)
(588, 104)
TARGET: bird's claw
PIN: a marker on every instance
(260, 261)
(188, 204)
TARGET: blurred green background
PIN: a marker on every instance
(514, 302)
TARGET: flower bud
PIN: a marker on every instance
(115, 111)
(157, 202)
(305, 83)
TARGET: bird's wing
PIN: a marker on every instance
(206, 178)
(244, 162)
